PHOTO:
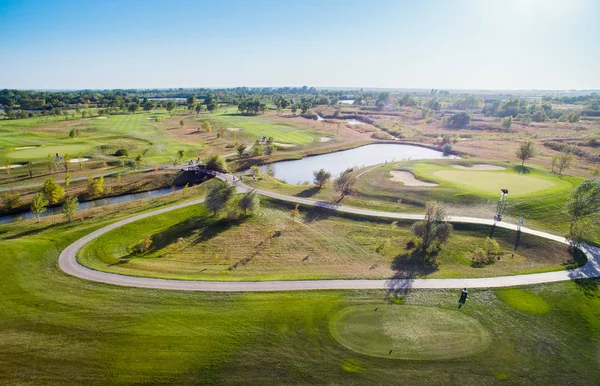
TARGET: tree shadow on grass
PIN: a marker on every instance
(587, 277)
(521, 169)
(206, 228)
(309, 192)
(409, 266)
(30, 232)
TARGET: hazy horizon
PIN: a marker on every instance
(514, 45)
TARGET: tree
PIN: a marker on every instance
(80, 159)
(565, 160)
(206, 127)
(321, 177)
(218, 196)
(11, 200)
(525, 151)
(39, 205)
(133, 107)
(144, 245)
(525, 119)
(240, 149)
(434, 230)
(67, 162)
(269, 149)
(198, 109)
(96, 186)
(8, 168)
(67, 179)
(294, 213)
(170, 106)
(257, 150)
(580, 231)
(52, 191)
(249, 202)
(148, 106)
(181, 123)
(30, 169)
(584, 200)
(507, 122)
(50, 164)
(216, 162)
(344, 183)
(459, 120)
(180, 154)
(69, 207)
(138, 161)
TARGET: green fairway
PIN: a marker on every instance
(492, 181)
(42, 151)
(255, 127)
(408, 332)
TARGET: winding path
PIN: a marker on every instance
(68, 259)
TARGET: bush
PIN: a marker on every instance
(122, 153)
(143, 246)
(447, 149)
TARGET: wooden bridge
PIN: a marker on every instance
(197, 169)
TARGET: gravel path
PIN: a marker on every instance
(68, 261)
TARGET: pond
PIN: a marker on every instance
(298, 171)
(95, 203)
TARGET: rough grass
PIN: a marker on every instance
(58, 330)
(192, 244)
(408, 332)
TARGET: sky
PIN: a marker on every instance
(442, 44)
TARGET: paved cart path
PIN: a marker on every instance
(68, 259)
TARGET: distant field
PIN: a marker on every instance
(99, 138)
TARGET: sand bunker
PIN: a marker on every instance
(74, 160)
(25, 147)
(408, 179)
(325, 139)
(11, 166)
(234, 128)
(479, 167)
(101, 117)
(283, 144)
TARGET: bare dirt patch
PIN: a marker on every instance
(408, 179)
(479, 167)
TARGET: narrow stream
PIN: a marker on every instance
(94, 203)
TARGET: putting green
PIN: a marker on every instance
(493, 181)
(40, 152)
(410, 332)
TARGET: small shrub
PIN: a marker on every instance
(397, 299)
(122, 153)
(144, 245)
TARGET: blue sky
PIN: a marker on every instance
(458, 44)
